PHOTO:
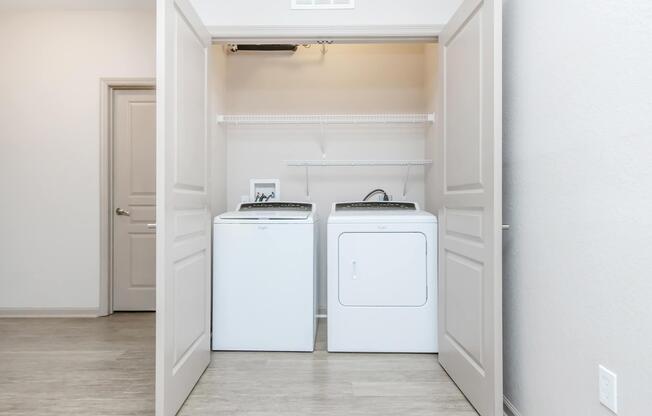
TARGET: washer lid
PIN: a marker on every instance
(270, 211)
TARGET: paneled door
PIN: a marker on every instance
(470, 253)
(183, 243)
(134, 200)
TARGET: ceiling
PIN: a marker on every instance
(77, 4)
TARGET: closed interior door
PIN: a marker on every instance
(134, 200)
(382, 269)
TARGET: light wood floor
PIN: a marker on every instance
(94, 366)
(105, 366)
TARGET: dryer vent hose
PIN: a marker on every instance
(377, 191)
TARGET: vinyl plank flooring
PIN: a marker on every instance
(105, 367)
(95, 366)
(293, 384)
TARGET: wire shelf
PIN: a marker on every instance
(311, 163)
(326, 118)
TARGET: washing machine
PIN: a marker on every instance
(264, 277)
(382, 278)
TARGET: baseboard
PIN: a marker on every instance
(49, 313)
(509, 409)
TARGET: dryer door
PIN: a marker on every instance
(382, 269)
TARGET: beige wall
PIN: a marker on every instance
(51, 65)
(349, 79)
(431, 76)
(218, 143)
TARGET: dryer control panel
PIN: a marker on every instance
(367, 206)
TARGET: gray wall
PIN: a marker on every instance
(578, 193)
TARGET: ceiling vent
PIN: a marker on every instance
(322, 4)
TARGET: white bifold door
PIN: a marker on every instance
(470, 253)
(183, 243)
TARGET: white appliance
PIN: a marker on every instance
(264, 277)
(382, 278)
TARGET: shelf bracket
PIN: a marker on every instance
(405, 182)
(308, 182)
(322, 139)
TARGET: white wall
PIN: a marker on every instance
(354, 79)
(50, 74)
(366, 12)
(578, 193)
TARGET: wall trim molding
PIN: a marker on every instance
(49, 313)
(107, 86)
(509, 409)
(315, 33)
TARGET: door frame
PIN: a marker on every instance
(350, 34)
(107, 87)
(316, 33)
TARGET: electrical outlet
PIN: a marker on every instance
(608, 382)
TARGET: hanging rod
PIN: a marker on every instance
(326, 118)
(309, 163)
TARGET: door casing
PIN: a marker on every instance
(408, 33)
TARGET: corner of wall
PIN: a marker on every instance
(431, 80)
(218, 140)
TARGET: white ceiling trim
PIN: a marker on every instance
(339, 34)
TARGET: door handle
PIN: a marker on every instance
(151, 226)
(354, 264)
(120, 211)
(506, 227)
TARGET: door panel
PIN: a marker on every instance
(143, 249)
(134, 190)
(183, 216)
(463, 107)
(470, 254)
(382, 269)
(464, 305)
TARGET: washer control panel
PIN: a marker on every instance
(275, 206)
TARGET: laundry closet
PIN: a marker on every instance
(279, 114)
(326, 120)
